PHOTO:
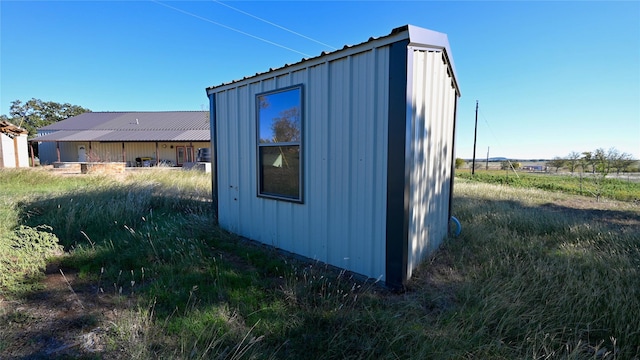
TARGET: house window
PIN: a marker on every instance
(279, 129)
(184, 154)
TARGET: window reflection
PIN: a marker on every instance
(280, 170)
(279, 116)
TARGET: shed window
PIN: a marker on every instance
(279, 128)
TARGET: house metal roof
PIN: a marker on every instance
(130, 126)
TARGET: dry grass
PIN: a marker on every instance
(534, 274)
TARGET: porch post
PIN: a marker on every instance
(33, 159)
(157, 155)
(16, 154)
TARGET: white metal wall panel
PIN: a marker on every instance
(23, 151)
(7, 152)
(433, 100)
(14, 152)
(342, 219)
(2, 152)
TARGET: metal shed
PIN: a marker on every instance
(346, 158)
(14, 151)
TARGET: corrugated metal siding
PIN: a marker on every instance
(342, 219)
(7, 153)
(433, 100)
(101, 152)
(13, 151)
(113, 151)
(136, 149)
(228, 158)
(46, 150)
(23, 151)
(69, 151)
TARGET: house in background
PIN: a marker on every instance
(14, 149)
(346, 158)
(136, 138)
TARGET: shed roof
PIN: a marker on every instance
(417, 36)
(130, 126)
(10, 129)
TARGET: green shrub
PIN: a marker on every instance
(23, 255)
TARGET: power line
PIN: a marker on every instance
(276, 25)
(490, 129)
(230, 28)
(498, 141)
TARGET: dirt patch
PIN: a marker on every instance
(67, 318)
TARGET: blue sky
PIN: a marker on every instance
(550, 77)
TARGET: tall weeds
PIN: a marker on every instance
(558, 283)
(530, 276)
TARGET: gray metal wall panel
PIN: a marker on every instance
(47, 153)
(46, 150)
(342, 219)
(433, 99)
(227, 160)
(242, 143)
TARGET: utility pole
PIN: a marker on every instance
(487, 168)
(475, 137)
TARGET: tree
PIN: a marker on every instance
(588, 160)
(622, 162)
(459, 163)
(506, 165)
(36, 113)
(556, 162)
(601, 161)
(573, 161)
(286, 128)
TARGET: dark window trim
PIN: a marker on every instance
(213, 121)
(300, 144)
(397, 235)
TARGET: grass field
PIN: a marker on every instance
(135, 269)
(591, 185)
